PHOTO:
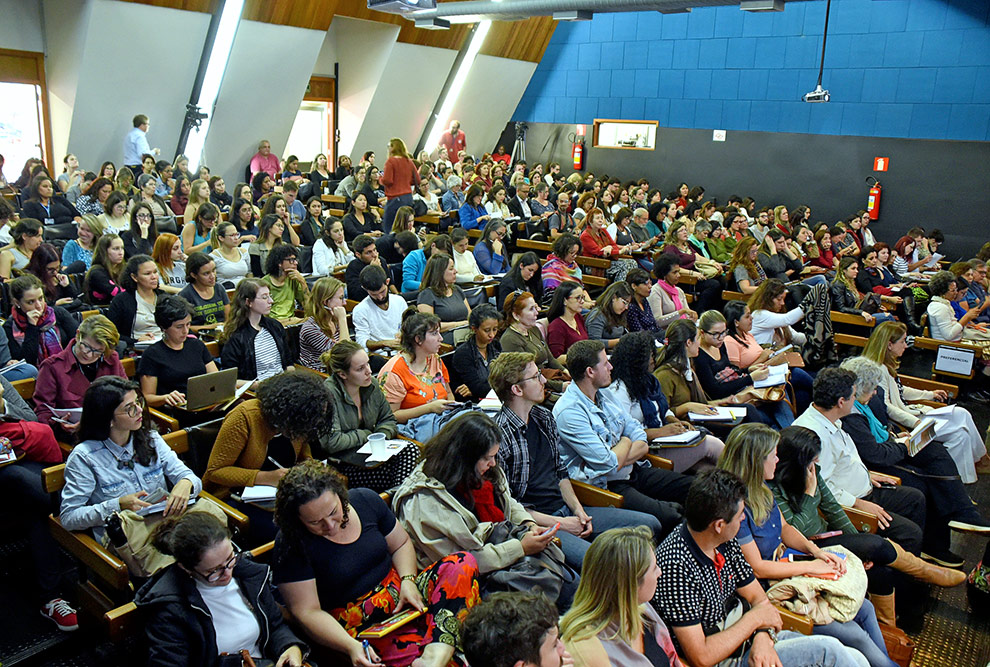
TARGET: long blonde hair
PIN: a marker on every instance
(746, 450)
(878, 347)
(323, 289)
(608, 593)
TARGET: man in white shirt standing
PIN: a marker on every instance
(899, 509)
(136, 144)
(378, 317)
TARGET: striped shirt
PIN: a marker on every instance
(266, 357)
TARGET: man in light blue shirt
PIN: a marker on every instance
(136, 144)
(603, 446)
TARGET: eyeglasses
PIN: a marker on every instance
(90, 349)
(135, 408)
(143, 216)
(716, 334)
(291, 260)
(532, 377)
(217, 572)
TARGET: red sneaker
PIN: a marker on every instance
(62, 614)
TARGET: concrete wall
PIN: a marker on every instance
(21, 28)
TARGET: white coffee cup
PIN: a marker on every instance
(379, 447)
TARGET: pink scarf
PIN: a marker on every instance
(673, 293)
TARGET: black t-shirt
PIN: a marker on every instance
(343, 572)
(207, 311)
(174, 367)
(543, 489)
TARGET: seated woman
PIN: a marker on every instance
(288, 287)
(708, 291)
(92, 200)
(942, 320)
(52, 209)
(441, 296)
(611, 622)
(171, 263)
(875, 277)
(142, 235)
(520, 334)
(133, 310)
(639, 316)
(196, 231)
(414, 263)
(244, 216)
(473, 357)
(415, 381)
(360, 219)
(270, 231)
(566, 325)
(467, 266)
(64, 377)
(330, 252)
(277, 205)
(489, 249)
(360, 409)
(780, 260)
(607, 320)
(180, 196)
(219, 196)
(77, 255)
(253, 343)
(846, 297)
(638, 393)
(148, 194)
(263, 437)
(28, 505)
(166, 365)
(747, 273)
(14, 258)
(667, 300)
(454, 496)
(561, 266)
(119, 460)
(932, 470)
(207, 298)
(102, 280)
(495, 202)
(343, 563)
(326, 323)
(720, 378)
(472, 214)
(524, 276)
(45, 265)
(679, 379)
(751, 453)
(826, 259)
(745, 353)
(808, 505)
(230, 258)
(35, 331)
(772, 325)
(210, 574)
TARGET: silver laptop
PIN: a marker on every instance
(210, 388)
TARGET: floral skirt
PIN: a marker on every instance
(449, 588)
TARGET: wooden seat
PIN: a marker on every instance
(593, 496)
(734, 296)
(839, 317)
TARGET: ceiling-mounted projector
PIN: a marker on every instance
(817, 95)
(401, 6)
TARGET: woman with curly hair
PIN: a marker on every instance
(343, 563)
(638, 393)
(288, 287)
(263, 437)
(747, 273)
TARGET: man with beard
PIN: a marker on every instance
(378, 317)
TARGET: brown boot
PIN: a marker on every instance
(930, 574)
(884, 606)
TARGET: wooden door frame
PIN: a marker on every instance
(13, 72)
(325, 90)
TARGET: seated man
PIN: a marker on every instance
(64, 377)
(603, 446)
(900, 509)
(530, 456)
(365, 254)
(297, 212)
(513, 630)
(378, 318)
(703, 575)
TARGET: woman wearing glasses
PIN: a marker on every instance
(209, 574)
(119, 461)
(288, 287)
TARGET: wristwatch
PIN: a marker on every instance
(770, 632)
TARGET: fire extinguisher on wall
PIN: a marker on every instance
(873, 202)
(577, 148)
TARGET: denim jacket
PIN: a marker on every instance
(95, 480)
(588, 431)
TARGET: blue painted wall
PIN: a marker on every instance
(895, 68)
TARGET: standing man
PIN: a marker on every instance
(264, 161)
(454, 141)
(136, 144)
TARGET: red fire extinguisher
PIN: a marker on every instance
(577, 148)
(873, 202)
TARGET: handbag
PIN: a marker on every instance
(870, 303)
(545, 571)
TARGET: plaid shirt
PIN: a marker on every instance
(513, 455)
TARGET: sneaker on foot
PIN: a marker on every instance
(971, 525)
(945, 558)
(62, 614)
